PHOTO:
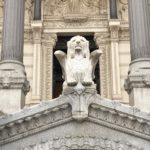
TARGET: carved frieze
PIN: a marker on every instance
(63, 7)
(82, 142)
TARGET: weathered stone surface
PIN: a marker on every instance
(76, 122)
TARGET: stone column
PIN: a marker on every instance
(113, 9)
(37, 9)
(37, 62)
(13, 83)
(114, 52)
(138, 81)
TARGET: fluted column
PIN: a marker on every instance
(13, 82)
(113, 9)
(138, 81)
(37, 9)
(13, 30)
(139, 28)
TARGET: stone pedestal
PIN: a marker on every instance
(13, 83)
(13, 86)
(138, 84)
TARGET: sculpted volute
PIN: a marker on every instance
(78, 65)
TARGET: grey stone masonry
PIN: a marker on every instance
(37, 10)
(139, 28)
(113, 9)
(13, 30)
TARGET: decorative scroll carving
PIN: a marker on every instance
(72, 143)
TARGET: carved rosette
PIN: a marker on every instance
(101, 39)
(48, 45)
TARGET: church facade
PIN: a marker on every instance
(34, 112)
(59, 22)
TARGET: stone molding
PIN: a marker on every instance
(138, 79)
(95, 109)
(82, 142)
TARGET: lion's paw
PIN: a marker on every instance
(72, 83)
(87, 82)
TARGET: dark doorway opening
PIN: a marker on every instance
(57, 74)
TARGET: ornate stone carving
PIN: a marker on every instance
(48, 43)
(33, 122)
(101, 39)
(63, 7)
(28, 11)
(123, 10)
(83, 142)
(78, 65)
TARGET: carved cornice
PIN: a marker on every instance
(30, 124)
(44, 116)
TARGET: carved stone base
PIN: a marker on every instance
(138, 84)
(13, 86)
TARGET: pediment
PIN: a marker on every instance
(81, 121)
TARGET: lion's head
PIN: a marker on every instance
(78, 45)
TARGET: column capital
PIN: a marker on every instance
(101, 38)
(114, 26)
(37, 28)
(50, 39)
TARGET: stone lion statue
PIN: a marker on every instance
(78, 65)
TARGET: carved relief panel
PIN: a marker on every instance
(28, 11)
(65, 7)
(123, 10)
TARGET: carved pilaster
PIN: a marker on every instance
(37, 62)
(48, 45)
(101, 40)
(115, 69)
